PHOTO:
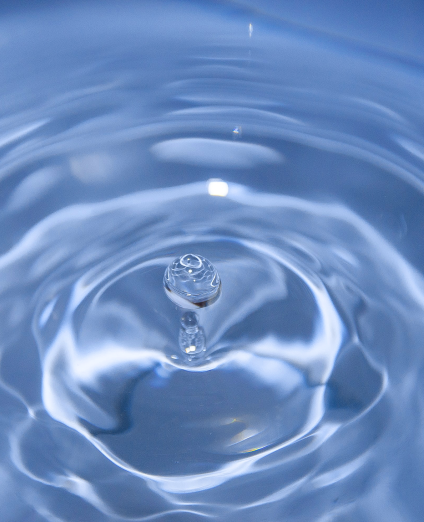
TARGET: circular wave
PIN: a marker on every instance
(296, 346)
(305, 404)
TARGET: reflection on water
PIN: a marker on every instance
(293, 162)
(217, 187)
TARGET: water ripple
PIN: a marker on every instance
(307, 402)
(292, 361)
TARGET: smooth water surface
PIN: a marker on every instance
(292, 158)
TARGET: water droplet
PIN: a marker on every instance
(192, 337)
(237, 131)
(190, 322)
(191, 281)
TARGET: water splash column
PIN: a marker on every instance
(192, 282)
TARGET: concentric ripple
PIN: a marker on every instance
(288, 370)
(298, 395)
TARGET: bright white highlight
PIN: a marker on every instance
(217, 187)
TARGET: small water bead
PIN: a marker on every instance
(190, 322)
(191, 282)
(192, 339)
(237, 131)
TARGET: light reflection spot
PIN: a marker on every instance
(237, 132)
(217, 187)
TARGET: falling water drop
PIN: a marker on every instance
(191, 282)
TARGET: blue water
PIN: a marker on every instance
(286, 147)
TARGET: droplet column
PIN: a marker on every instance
(192, 282)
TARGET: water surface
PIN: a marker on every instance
(292, 159)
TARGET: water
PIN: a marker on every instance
(192, 281)
(292, 159)
(192, 336)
